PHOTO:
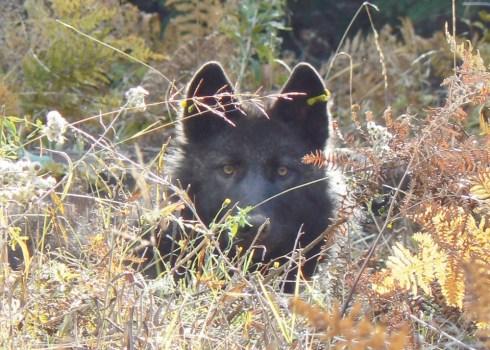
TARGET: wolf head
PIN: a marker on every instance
(228, 151)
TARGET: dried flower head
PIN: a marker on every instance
(55, 127)
(380, 137)
(136, 98)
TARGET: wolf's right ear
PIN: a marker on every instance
(303, 105)
(210, 104)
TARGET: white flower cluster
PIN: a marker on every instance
(55, 127)
(380, 137)
(136, 98)
(20, 182)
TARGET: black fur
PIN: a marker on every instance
(217, 131)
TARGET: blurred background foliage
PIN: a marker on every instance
(44, 65)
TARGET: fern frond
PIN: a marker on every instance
(471, 61)
(477, 300)
(453, 237)
(411, 272)
(330, 160)
(459, 235)
(195, 18)
(452, 282)
(351, 331)
(481, 186)
(316, 158)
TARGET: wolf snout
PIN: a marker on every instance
(259, 226)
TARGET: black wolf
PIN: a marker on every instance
(227, 150)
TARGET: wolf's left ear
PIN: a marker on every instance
(210, 105)
(304, 105)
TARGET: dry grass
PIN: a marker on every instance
(76, 222)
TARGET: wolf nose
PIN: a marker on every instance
(258, 223)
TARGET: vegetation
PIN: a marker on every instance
(82, 188)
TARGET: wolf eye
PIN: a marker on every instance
(229, 169)
(282, 171)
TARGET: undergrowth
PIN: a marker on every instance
(406, 263)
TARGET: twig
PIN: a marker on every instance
(328, 231)
(425, 324)
(376, 241)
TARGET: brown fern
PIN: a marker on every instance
(351, 331)
(330, 160)
(477, 299)
(481, 185)
(194, 19)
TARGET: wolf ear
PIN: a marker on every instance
(210, 104)
(304, 106)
